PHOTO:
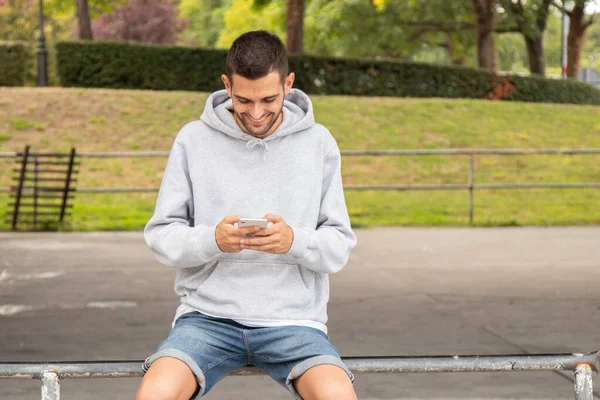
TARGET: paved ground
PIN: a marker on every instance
(405, 291)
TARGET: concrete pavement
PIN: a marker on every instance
(405, 291)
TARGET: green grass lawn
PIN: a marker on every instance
(54, 119)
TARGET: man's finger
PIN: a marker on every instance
(231, 219)
(273, 218)
(255, 241)
(266, 247)
(247, 230)
(265, 231)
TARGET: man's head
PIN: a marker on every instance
(257, 80)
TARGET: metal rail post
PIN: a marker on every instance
(584, 389)
(471, 188)
(50, 386)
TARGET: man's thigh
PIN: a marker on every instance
(288, 353)
(210, 348)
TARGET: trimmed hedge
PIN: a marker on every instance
(13, 63)
(133, 66)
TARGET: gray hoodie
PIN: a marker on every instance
(214, 170)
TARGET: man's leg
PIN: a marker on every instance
(325, 382)
(167, 379)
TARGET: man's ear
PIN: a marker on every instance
(227, 84)
(289, 81)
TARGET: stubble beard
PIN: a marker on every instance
(259, 135)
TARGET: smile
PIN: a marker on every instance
(261, 119)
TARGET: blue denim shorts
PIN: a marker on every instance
(214, 347)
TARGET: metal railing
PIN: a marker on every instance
(470, 185)
(581, 364)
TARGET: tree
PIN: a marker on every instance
(353, 28)
(83, 20)
(578, 25)
(243, 16)
(294, 19)
(19, 20)
(485, 17)
(204, 21)
(84, 10)
(529, 19)
(294, 22)
(143, 21)
(591, 47)
(432, 24)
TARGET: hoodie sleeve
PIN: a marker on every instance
(327, 248)
(168, 233)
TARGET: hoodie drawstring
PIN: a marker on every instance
(258, 142)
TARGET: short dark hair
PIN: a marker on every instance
(256, 54)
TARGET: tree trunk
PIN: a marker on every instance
(294, 17)
(83, 20)
(533, 34)
(485, 17)
(577, 28)
(535, 51)
(454, 58)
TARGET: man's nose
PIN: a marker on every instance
(257, 111)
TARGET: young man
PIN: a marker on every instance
(249, 295)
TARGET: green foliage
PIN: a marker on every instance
(344, 28)
(120, 65)
(428, 26)
(525, 16)
(352, 28)
(19, 21)
(123, 65)
(205, 21)
(591, 46)
(68, 7)
(13, 63)
(243, 16)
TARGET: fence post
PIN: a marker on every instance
(19, 188)
(584, 389)
(471, 181)
(50, 386)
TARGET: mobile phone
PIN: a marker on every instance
(246, 222)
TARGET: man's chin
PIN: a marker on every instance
(258, 135)
(258, 131)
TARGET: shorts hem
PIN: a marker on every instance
(183, 357)
(305, 365)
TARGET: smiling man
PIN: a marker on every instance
(251, 295)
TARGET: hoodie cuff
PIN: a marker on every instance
(207, 244)
(299, 248)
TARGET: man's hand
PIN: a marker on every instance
(228, 237)
(276, 239)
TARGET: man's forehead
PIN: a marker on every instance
(256, 89)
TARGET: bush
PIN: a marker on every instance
(13, 63)
(123, 65)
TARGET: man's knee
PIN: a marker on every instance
(157, 390)
(325, 382)
(167, 379)
(336, 391)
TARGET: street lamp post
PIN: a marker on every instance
(42, 70)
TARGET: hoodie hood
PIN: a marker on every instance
(297, 116)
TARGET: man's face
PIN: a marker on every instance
(257, 104)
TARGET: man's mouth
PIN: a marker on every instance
(257, 121)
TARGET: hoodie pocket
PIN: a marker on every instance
(256, 289)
